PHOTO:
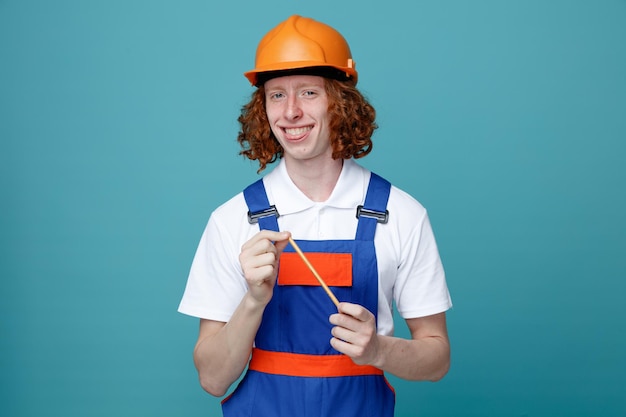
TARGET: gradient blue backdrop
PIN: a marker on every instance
(506, 119)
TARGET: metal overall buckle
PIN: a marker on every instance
(380, 216)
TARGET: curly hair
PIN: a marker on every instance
(352, 123)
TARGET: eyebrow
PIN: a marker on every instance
(298, 86)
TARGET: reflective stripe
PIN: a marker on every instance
(296, 364)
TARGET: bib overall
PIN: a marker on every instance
(294, 371)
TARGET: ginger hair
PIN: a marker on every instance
(352, 123)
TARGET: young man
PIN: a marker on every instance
(372, 243)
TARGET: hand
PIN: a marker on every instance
(355, 334)
(259, 262)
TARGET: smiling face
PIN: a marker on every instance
(297, 112)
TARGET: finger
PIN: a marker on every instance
(265, 237)
(344, 320)
(259, 267)
(352, 350)
(354, 310)
(282, 243)
(273, 236)
(262, 259)
(258, 247)
(344, 334)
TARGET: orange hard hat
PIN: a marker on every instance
(300, 43)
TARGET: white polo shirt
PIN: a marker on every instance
(409, 268)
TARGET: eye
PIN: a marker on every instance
(275, 95)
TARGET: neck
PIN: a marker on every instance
(317, 181)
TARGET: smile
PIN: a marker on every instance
(297, 130)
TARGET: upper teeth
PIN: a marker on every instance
(297, 130)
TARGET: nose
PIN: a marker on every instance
(293, 110)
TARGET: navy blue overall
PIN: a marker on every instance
(294, 371)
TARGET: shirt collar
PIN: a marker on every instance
(348, 192)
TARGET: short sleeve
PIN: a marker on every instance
(420, 289)
(215, 285)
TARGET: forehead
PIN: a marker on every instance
(294, 81)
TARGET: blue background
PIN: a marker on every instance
(506, 119)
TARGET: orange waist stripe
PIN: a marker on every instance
(297, 364)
